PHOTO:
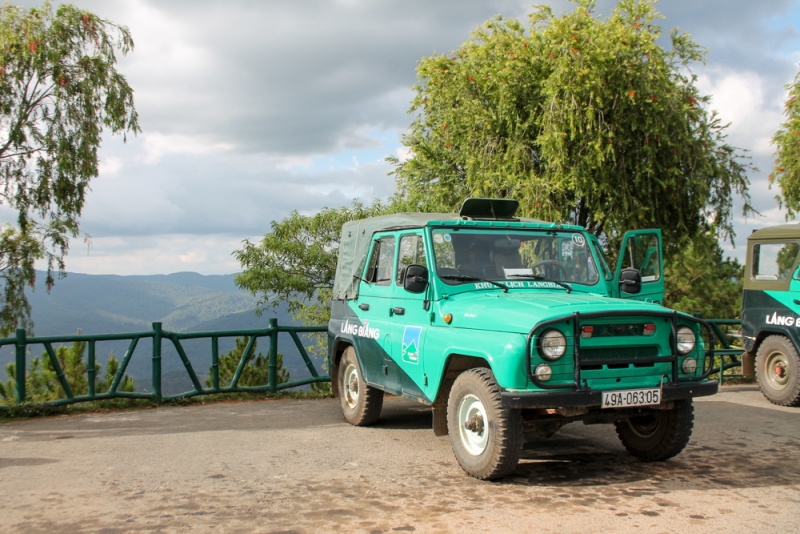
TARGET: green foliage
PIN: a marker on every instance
(322, 388)
(18, 253)
(254, 373)
(698, 280)
(296, 263)
(787, 157)
(583, 120)
(41, 378)
(59, 89)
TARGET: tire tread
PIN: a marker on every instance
(368, 411)
(792, 396)
(680, 423)
(508, 427)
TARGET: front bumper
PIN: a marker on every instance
(561, 399)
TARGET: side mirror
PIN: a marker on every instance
(630, 281)
(416, 279)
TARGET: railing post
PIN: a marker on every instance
(91, 368)
(215, 363)
(21, 345)
(157, 362)
(273, 355)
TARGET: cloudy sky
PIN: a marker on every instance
(252, 109)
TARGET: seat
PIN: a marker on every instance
(510, 260)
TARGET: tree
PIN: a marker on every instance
(698, 280)
(255, 373)
(787, 158)
(295, 263)
(585, 121)
(59, 89)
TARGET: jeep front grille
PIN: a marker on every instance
(616, 353)
(614, 330)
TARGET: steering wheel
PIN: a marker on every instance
(544, 263)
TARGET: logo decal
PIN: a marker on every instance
(355, 329)
(411, 344)
(782, 320)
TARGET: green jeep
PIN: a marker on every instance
(771, 312)
(506, 325)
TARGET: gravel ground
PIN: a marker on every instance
(296, 466)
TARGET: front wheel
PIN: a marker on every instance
(361, 404)
(660, 435)
(777, 366)
(486, 437)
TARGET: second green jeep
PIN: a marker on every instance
(506, 325)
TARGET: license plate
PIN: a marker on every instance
(631, 397)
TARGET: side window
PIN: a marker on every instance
(379, 268)
(774, 261)
(412, 252)
(598, 250)
(641, 253)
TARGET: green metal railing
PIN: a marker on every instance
(159, 336)
(726, 350)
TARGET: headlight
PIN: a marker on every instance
(543, 372)
(686, 340)
(689, 366)
(553, 345)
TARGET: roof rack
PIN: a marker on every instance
(489, 209)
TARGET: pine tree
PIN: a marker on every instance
(41, 378)
(255, 372)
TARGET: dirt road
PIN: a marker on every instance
(296, 466)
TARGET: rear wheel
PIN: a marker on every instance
(777, 365)
(486, 437)
(660, 435)
(361, 403)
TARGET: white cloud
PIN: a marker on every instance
(289, 163)
(110, 166)
(403, 153)
(208, 254)
(741, 99)
(157, 145)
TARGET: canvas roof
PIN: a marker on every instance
(356, 238)
(781, 231)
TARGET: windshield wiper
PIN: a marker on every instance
(469, 278)
(543, 279)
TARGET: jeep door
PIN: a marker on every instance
(641, 252)
(771, 299)
(410, 319)
(373, 335)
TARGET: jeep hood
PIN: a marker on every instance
(519, 311)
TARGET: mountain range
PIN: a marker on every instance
(182, 302)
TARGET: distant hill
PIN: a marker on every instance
(110, 303)
(182, 302)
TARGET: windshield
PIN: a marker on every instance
(513, 255)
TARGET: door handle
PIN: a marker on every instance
(364, 307)
(796, 301)
(397, 311)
